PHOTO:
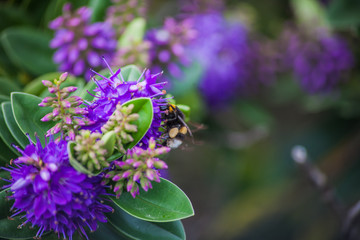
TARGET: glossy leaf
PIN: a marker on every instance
(29, 48)
(143, 107)
(109, 140)
(77, 165)
(115, 156)
(134, 32)
(9, 228)
(135, 228)
(106, 231)
(165, 202)
(6, 135)
(13, 127)
(130, 73)
(27, 114)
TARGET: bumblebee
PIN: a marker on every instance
(175, 126)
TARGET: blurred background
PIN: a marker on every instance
(259, 76)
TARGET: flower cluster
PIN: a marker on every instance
(113, 90)
(66, 110)
(52, 194)
(61, 186)
(120, 123)
(122, 12)
(79, 43)
(140, 167)
(90, 151)
(168, 45)
(318, 61)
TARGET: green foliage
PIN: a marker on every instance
(12, 125)
(27, 114)
(165, 202)
(130, 73)
(134, 228)
(29, 49)
(134, 32)
(6, 135)
(98, 8)
(143, 107)
(344, 13)
(109, 142)
(7, 86)
(9, 228)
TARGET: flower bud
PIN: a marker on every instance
(47, 83)
(63, 76)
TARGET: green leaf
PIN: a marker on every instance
(130, 73)
(115, 156)
(109, 140)
(135, 228)
(27, 114)
(6, 135)
(165, 202)
(133, 33)
(7, 86)
(29, 49)
(99, 8)
(77, 165)
(143, 107)
(106, 231)
(344, 13)
(14, 129)
(9, 228)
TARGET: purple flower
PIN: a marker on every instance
(319, 62)
(139, 168)
(80, 44)
(168, 45)
(51, 194)
(222, 48)
(113, 90)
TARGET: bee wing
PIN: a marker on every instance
(183, 122)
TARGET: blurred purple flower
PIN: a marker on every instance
(223, 49)
(80, 44)
(167, 49)
(112, 90)
(51, 194)
(319, 62)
